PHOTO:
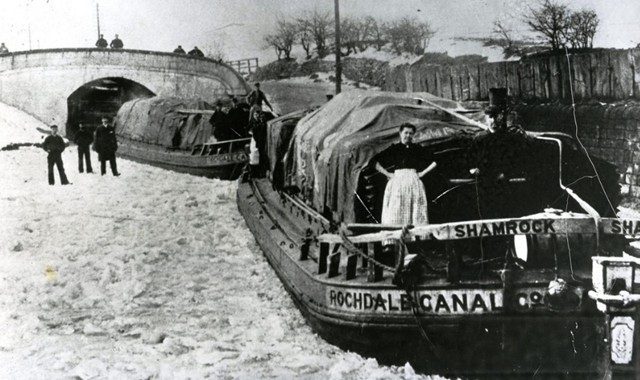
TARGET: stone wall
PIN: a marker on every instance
(608, 131)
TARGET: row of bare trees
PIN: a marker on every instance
(553, 25)
(314, 32)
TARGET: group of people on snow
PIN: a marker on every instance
(242, 120)
(104, 143)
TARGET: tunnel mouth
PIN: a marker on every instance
(100, 98)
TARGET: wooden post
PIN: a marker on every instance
(322, 260)
(374, 273)
(365, 249)
(337, 37)
(306, 243)
(334, 263)
(352, 265)
(453, 266)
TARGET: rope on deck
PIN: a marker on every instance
(351, 247)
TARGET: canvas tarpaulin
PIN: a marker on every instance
(157, 121)
(333, 144)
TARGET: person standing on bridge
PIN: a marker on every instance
(106, 145)
(101, 43)
(196, 52)
(3, 49)
(255, 100)
(179, 50)
(84, 139)
(116, 43)
(54, 145)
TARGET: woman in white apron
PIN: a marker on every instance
(404, 164)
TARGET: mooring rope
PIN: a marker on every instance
(351, 247)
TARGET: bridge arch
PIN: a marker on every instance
(40, 82)
(101, 97)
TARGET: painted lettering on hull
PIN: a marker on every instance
(511, 227)
(622, 226)
(437, 302)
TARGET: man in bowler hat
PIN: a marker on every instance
(54, 145)
(105, 144)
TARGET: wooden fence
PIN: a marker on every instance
(245, 66)
(602, 75)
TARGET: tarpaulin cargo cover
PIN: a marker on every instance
(332, 145)
(157, 121)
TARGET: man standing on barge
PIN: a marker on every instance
(255, 100)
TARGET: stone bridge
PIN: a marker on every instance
(71, 86)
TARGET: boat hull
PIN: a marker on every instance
(477, 344)
(227, 166)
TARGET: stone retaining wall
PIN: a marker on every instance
(608, 131)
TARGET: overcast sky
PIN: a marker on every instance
(238, 26)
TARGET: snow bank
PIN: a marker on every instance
(18, 127)
(152, 274)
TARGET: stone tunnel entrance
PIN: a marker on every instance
(99, 98)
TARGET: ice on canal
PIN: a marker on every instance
(152, 274)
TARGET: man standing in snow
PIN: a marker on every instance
(54, 145)
(105, 144)
(84, 139)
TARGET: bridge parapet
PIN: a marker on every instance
(40, 81)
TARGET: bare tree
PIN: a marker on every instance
(321, 24)
(351, 34)
(409, 35)
(556, 24)
(550, 20)
(304, 35)
(581, 29)
(373, 33)
(216, 51)
(283, 38)
(504, 38)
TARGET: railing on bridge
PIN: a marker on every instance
(244, 66)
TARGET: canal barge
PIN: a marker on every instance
(524, 269)
(175, 134)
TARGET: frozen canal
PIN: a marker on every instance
(151, 275)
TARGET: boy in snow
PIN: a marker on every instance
(54, 145)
